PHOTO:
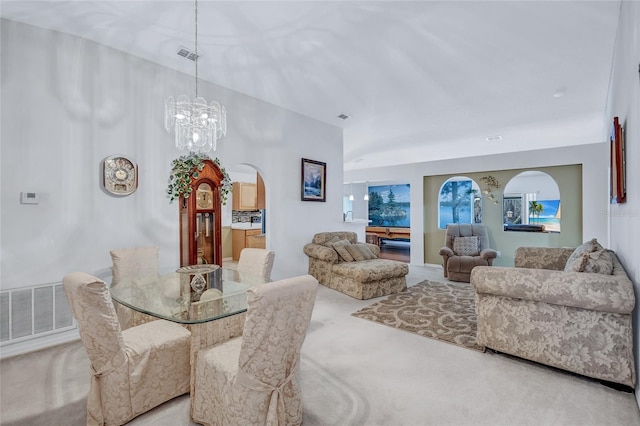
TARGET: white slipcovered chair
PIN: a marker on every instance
(255, 261)
(133, 370)
(134, 263)
(253, 379)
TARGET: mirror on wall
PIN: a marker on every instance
(459, 201)
(531, 203)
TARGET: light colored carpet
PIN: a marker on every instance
(354, 372)
(438, 310)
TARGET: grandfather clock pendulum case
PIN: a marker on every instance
(200, 221)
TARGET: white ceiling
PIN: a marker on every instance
(420, 80)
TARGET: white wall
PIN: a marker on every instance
(359, 207)
(67, 103)
(543, 185)
(624, 102)
(593, 157)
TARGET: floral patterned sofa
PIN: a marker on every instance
(556, 309)
(337, 261)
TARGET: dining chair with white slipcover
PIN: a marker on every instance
(134, 263)
(133, 370)
(256, 261)
(253, 379)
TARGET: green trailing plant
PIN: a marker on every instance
(225, 185)
(188, 167)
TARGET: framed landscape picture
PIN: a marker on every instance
(314, 176)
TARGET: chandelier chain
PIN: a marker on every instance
(196, 41)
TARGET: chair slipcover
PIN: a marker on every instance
(457, 266)
(136, 263)
(253, 379)
(133, 370)
(256, 261)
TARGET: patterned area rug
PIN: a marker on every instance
(442, 311)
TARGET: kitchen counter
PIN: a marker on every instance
(246, 225)
(358, 221)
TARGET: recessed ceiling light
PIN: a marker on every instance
(343, 116)
(493, 138)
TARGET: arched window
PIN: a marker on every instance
(531, 203)
(459, 201)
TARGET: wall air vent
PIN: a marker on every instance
(32, 312)
(186, 53)
(493, 138)
(343, 116)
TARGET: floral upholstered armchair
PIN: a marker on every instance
(566, 308)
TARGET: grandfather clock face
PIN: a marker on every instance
(204, 197)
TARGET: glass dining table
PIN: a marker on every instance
(171, 296)
(214, 313)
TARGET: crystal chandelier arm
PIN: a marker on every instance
(169, 113)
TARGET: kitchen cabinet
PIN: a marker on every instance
(241, 239)
(256, 241)
(244, 196)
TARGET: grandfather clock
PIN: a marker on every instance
(200, 222)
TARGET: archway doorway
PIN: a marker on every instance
(244, 217)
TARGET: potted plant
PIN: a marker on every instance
(187, 167)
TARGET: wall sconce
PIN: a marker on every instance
(490, 184)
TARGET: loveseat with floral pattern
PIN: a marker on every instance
(570, 309)
(338, 261)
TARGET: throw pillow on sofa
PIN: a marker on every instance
(466, 246)
(329, 243)
(360, 252)
(341, 248)
(590, 257)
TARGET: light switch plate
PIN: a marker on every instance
(29, 198)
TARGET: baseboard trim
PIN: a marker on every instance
(35, 344)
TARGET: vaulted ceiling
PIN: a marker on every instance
(419, 80)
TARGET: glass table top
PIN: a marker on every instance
(171, 297)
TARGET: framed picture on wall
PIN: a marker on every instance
(511, 210)
(314, 176)
(617, 181)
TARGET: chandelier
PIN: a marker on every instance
(197, 125)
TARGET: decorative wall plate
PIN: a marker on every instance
(120, 175)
